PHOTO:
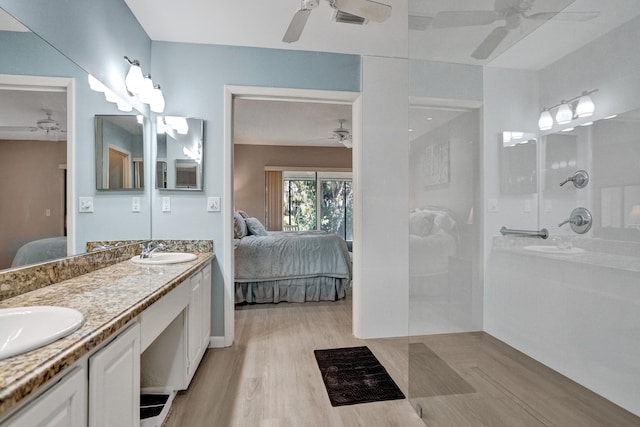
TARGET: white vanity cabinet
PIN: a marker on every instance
(63, 405)
(114, 382)
(199, 319)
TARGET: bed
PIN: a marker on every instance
(297, 266)
(433, 240)
(40, 251)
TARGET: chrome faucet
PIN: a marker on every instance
(147, 250)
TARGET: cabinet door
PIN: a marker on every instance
(206, 306)
(114, 382)
(61, 406)
(195, 324)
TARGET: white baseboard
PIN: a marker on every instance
(217, 342)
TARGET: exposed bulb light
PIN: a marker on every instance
(611, 117)
(564, 114)
(585, 107)
(157, 101)
(567, 130)
(545, 122)
(586, 124)
(140, 118)
(95, 84)
(146, 90)
(134, 79)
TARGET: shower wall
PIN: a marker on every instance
(573, 301)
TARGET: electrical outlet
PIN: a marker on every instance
(213, 204)
(135, 204)
(85, 204)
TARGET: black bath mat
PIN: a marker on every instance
(354, 375)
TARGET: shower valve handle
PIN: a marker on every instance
(580, 179)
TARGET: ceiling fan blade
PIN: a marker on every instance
(18, 128)
(464, 18)
(296, 26)
(366, 9)
(489, 44)
(564, 16)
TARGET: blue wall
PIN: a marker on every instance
(194, 77)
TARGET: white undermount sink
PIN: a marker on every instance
(159, 258)
(26, 328)
(554, 250)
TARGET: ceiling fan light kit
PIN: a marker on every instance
(580, 106)
(347, 11)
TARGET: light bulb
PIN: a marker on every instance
(157, 101)
(134, 78)
(95, 84)
(146, 90)
(564, 114)
(123, 105)
(546, 121)
(585, 107)
(110, 96)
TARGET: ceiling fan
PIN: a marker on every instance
(48, 125)
(512, 12)
(348, 11)
(342, 135)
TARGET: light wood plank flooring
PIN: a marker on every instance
(269, 378)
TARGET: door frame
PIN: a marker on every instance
(55, 84)
(232, 92)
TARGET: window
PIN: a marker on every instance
(319, 201)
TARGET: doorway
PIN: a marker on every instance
(233, 93)
(61, 211)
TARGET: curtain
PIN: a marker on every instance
(273, 200)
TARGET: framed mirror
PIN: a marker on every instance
(119, 152)
(518, 162)
(179, 153)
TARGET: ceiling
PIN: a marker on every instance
(531, 44)
(21, 111)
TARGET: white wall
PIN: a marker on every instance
(381, 235)
(578, 316)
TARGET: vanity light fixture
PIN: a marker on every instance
(568, 110)
(157, 100)
(95, 84)
(546, 121)
(134, 77)
(146, 90)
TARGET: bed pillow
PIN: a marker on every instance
(443, 222)
(239, 226)
(243, 214)
(420, 223)
(255, 227)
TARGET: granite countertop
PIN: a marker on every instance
(108, 298)
(592, 255)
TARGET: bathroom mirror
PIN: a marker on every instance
(518, 164)
(119, 152)
(26, 54)
(179, 153)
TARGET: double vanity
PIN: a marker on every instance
(143, 329)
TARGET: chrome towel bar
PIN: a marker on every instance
(544, 233)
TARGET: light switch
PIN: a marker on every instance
(166, 204)
(213, 204)
(492, 205)
(85, 204)
(135, 204)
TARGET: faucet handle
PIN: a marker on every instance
(580, 220)
(580, 179)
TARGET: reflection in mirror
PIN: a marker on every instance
(119, 152)
(45, 223)
(179, 154)
(616, 176)
(518, 165)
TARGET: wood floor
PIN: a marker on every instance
(269, 377)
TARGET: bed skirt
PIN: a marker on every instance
(292, 290)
